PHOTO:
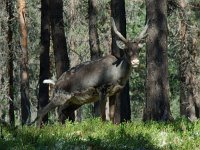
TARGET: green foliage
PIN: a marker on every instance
(135, 23)
(76, 28)
(94, 134)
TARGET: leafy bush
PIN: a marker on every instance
(94, 134)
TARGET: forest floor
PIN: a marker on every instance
(92, 134)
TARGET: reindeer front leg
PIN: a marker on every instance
(67, 111)
(112, 108)
(102, 102)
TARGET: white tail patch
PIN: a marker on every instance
(49, 81)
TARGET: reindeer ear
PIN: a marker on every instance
(121, 44)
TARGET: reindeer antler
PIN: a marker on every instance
(143, 33)
(117, 32)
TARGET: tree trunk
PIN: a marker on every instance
(58, 37)
(9, 7)
(60, 46)
(196, 45)
(157, 85)
(44, 56)
(182, 71)
(93, 33)
(121, 110)
(188, 66)
(95, 52)
(25, 104)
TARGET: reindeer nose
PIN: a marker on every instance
(135, 62)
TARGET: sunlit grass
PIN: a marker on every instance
(94, 134)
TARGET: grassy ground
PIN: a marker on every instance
(95, 135)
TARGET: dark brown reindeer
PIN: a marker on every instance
(94, 80)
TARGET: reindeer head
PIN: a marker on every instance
(130, 47)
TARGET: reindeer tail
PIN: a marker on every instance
(49, 81)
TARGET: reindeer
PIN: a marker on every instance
(94, 80)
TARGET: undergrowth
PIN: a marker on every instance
(96, 135)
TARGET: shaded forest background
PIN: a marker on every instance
(76, 29)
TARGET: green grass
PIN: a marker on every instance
(96, 135)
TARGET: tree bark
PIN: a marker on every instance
(93, 32)
(188, 66)
(121, 110)
(157, 85)
(95, 52)
(60, 47)
(25, 104)
(44, 56)
(9, 7)
(58, 37)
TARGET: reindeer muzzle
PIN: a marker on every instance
(135, 62)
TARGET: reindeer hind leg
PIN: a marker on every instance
(58, 99)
